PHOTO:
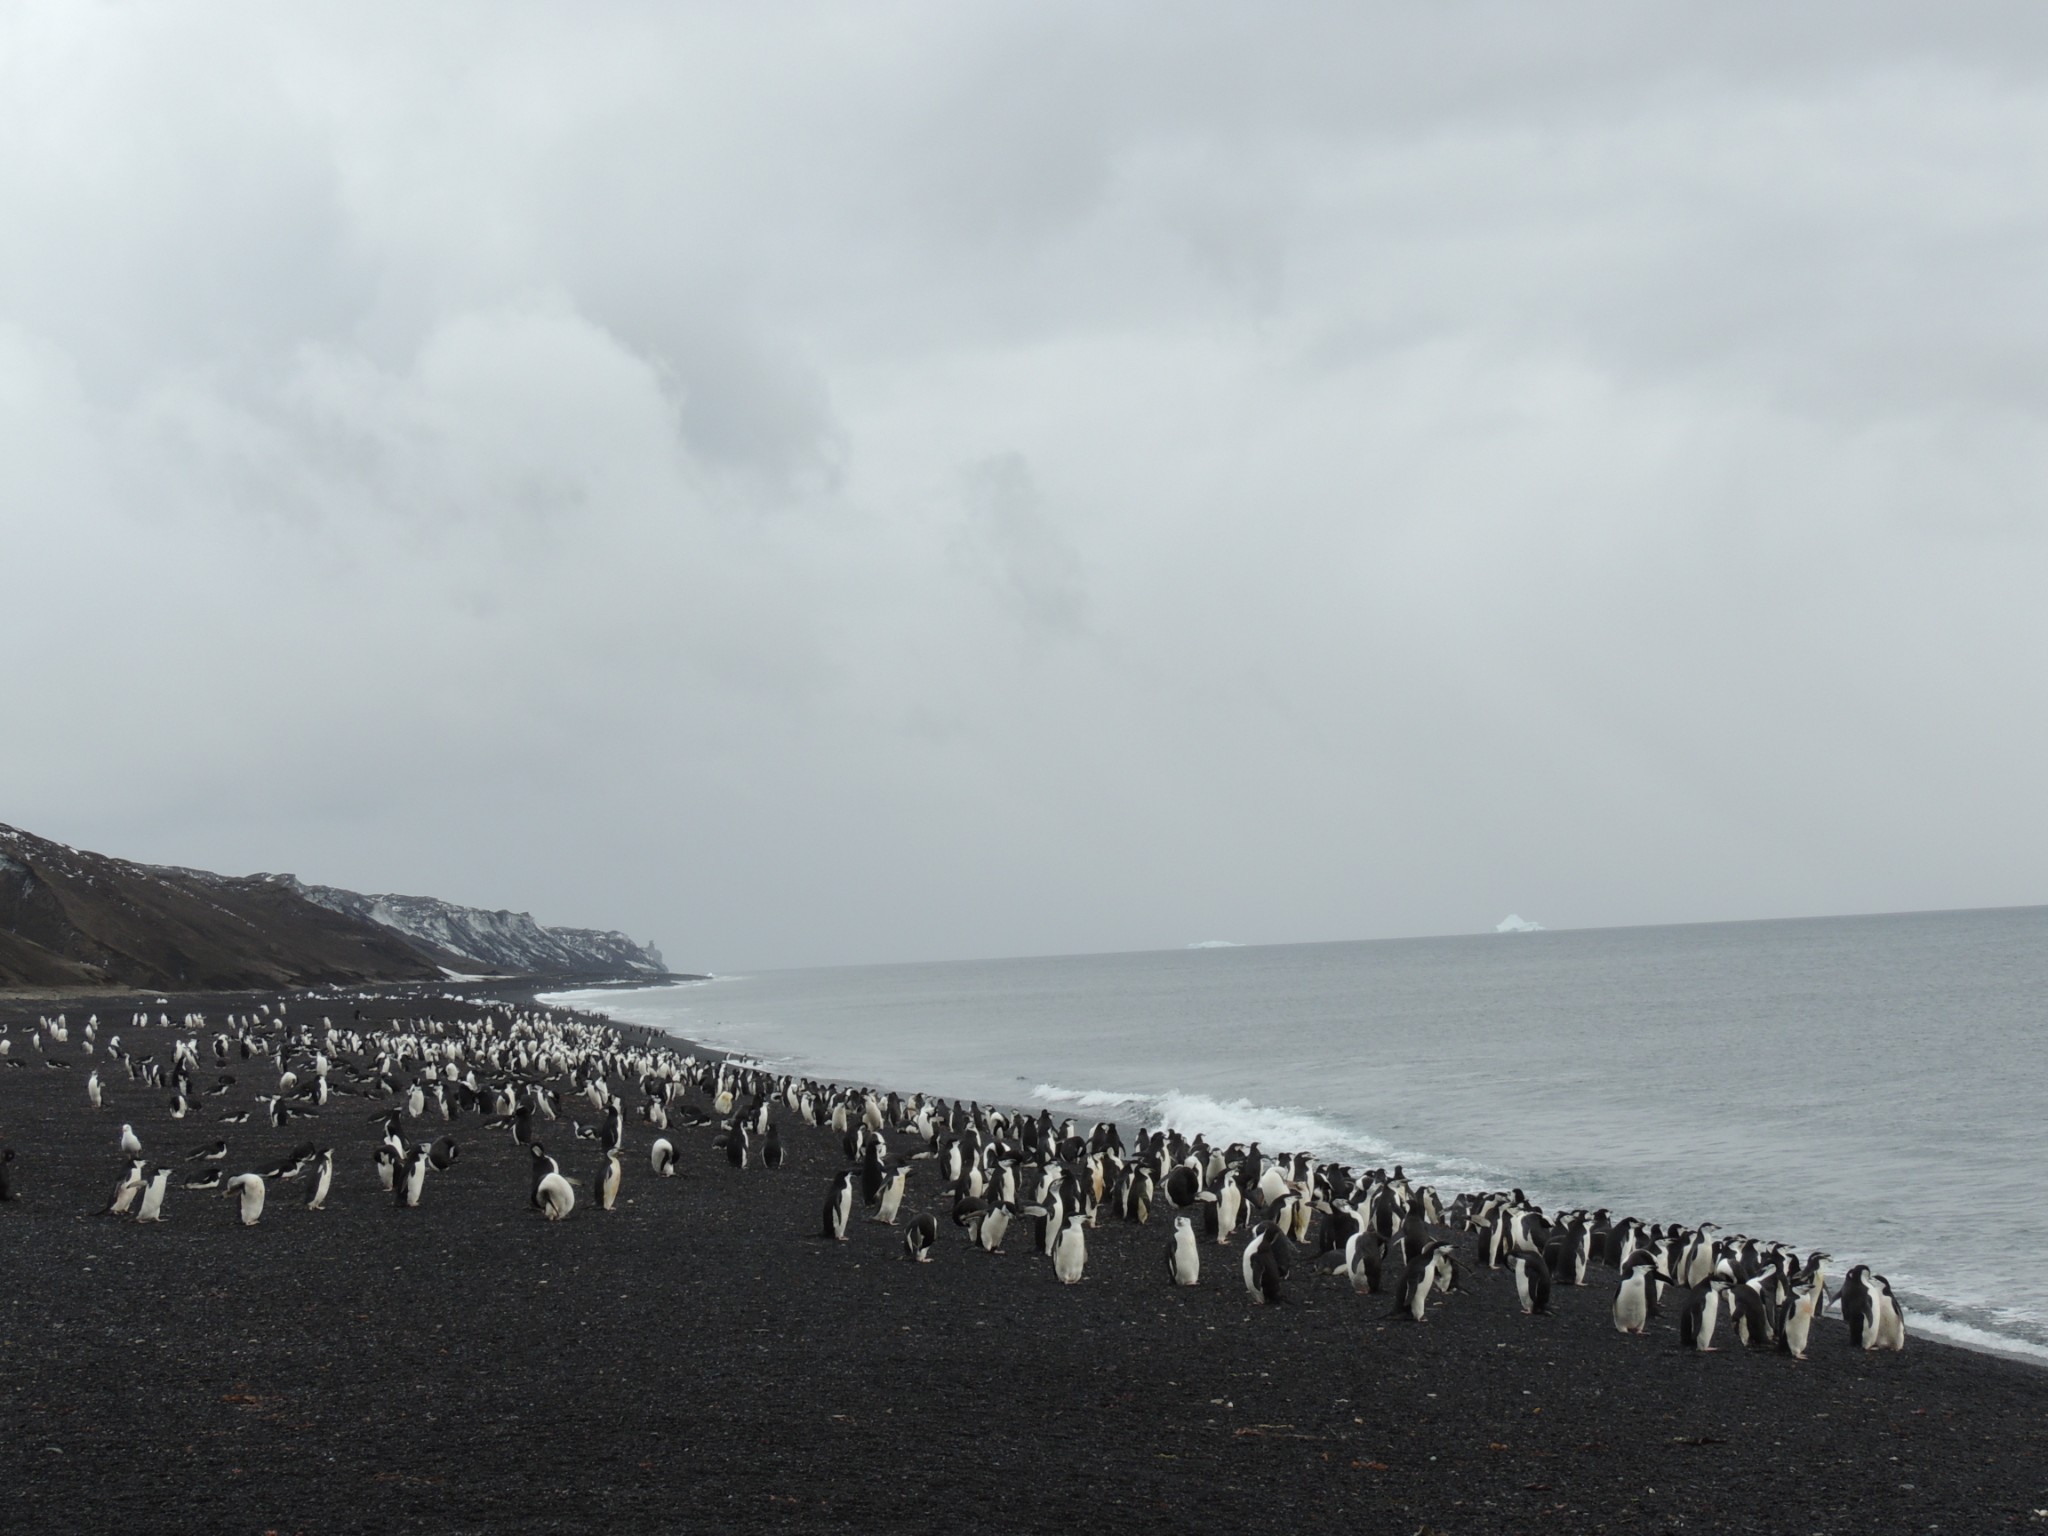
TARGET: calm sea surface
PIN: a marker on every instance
(1874, 1086)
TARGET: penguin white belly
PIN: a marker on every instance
(1632, 1306)
(1070, 1254)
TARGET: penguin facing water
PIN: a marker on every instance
(1872, 1312)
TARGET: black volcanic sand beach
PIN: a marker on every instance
(700, 1360)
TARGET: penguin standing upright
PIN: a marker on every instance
(1070, 1250)
(130, 1142)
(839, 1205)
(6, 1174)
(1229, 1208)
(1634, 1302)
(414, 1183)
(614, 1176)
(1532, 1282)
(771, 1146)
(1362, 1261)
(737, 1146)
(1701, 1314)
(1799, 1315)
(1183, 1258)
(154, 1184)
(1261, 1266)
(323, 1179)
(92, 1087)
(1871, 1311)
(892, 1195)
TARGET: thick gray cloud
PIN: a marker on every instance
(920, 480)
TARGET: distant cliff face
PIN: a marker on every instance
(69, 918)
(510, 942)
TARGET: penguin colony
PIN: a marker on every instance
(1263, 1218)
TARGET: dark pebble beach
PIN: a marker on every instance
(699, 1359)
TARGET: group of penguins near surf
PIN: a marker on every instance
(521, 1071)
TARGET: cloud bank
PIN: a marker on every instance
(829, 484)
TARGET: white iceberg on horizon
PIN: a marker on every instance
(1215, 944)
(1514, 922)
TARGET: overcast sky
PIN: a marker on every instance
(881, 482)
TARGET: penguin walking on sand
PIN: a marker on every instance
(155, 1183)
(920, 1237)
(1431, 1269)
(1183, 1258)
(892, 1195)
(614, 1176)
(249, 1186)
(662, 1158)
(1070, 1250)
(839, 1206)
(540, 1165)
(323, 1180)
(126, 1191)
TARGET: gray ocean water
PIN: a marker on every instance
(1870, 1085)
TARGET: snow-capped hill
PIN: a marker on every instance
(493, 941)
(70, 918)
